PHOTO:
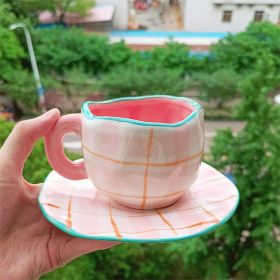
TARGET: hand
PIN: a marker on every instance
(29, 245)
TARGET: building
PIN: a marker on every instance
(227, 15)
(120, 19)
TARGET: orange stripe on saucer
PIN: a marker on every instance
(202, 223)
(53, 205)
(115, 227)
(217, 201)
(68, 220)
(210, 214)
(166, 221)
(161, 229)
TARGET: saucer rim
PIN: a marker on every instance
(77, 234)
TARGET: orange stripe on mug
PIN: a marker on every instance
(150, 143)
(154, 164)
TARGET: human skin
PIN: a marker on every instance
(29, 245)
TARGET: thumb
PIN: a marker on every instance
(78, 247)
(20, 142)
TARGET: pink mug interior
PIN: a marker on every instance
(158, 110)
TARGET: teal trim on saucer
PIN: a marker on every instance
(74, 233)
(87, 113)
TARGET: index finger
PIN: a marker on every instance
(20, 142)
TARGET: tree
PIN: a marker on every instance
(59, 8)
(241, 51)
(125, 81)
(11, 52)
(27, 8)
(247, 247)
(12, 75)
(219, 86)
(58, 50)
(20, 86)
(172, 55)
(77, 85)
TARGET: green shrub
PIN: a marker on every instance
(219, 86)
(128, 261)
(20, 86)
(76, 85)
(81, 269)
(5, 129)
(60, 49)
(133, 261)
(172, 56)
(247, 247)
(30, 8)
(241, 51)
(127, 81)
(11, 52)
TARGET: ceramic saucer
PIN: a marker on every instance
(77, 208)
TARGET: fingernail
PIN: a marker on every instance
(48, 113)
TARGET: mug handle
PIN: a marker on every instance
(55, 152)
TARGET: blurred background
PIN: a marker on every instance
(223, 53)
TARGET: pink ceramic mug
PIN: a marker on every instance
(143, 152)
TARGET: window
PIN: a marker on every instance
(227, 16)
(258, 15)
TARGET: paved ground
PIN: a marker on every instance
(72, 142)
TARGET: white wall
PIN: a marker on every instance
(120, 20)
(204, 16)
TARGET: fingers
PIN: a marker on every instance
(20, 142)
(77, 247)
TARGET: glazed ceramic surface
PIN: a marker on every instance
(141, 152)
(81, 210)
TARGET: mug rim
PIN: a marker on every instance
(89, 115)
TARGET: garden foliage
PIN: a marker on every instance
(241, 51)
(246, 247)
(246, 64)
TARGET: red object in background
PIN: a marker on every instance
(6, 112)
(141, 5)
(6, 116)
